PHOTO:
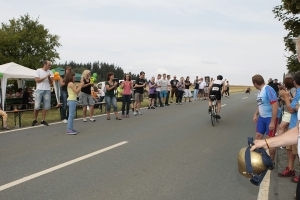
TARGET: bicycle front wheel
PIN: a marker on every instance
(212, 115)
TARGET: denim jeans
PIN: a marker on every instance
(109, 101)
(159, 99)
(168, 96)
(179, 96)
(195, 93)
(63, 110)
(44, 95)
(126, 100)
(72, 110)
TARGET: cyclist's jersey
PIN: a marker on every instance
(216, 89)
(265, 98)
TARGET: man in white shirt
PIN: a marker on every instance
(201, 88)
(43, 79)
(164, 84)
(168, 90)
(158, 90)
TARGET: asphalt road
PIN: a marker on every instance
(167, 153)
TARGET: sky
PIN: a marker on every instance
(233, 38)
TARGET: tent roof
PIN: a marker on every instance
(15, 71)
(61, 72)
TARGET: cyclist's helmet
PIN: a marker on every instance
(219, 77)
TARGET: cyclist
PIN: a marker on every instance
(215, 88)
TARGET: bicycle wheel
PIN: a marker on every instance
(212, 115)
(216, 108)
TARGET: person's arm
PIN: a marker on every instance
(290, 106)
(274, 115)
(39, 80)
(255, 116)
(108, 88)
(289, 138)
(61, 81)
(84, 85)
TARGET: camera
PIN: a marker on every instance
(116, 80)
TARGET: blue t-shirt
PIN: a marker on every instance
(265, 98)
(293, 121)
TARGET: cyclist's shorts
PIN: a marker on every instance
(262, 126)
(217, 94)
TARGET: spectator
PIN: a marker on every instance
(174, 88)
(275, 86)
(139, 86)
(196, 88)
(9, 94)
(152, 93)
(43, 79)
(158, 90)
(206, 88)
(86, 95)
(72, 90)
(201, 88)
(110, 97)
(180, 87)
(4, 118)
(227, 89)
(120, 92)
(164, 85)
(187, 91)
(64, 96)
(26, 98)
(127, 86)
(168, 90)
(101, 95)
(19, 93)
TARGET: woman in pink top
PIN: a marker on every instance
(126, 96)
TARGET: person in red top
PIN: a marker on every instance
(127, 86)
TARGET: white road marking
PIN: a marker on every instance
(263, 193)
(27, 178)
(223, 105)
(245, 98)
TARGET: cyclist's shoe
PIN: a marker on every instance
(218, 116)
(295, 179)
(287, 173)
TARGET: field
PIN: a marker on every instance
(53, 115)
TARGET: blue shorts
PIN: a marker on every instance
(262, 126)
(163, 94)
(44, 95)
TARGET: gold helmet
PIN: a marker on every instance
(257, 163)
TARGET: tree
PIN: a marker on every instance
(27, 42)
(287, 14)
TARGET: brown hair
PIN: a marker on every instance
(69, 78)
(258, 79)
(288, 83)
(68, 67)
(127, 75)
(109, 74)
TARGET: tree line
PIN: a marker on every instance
(100, 68)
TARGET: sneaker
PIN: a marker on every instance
(84, 120)
(148, 107)
(134, 113)
(161, 106)
(176, 103)
(92, 120)
(167, 104)
(34, 123)
(75, 131)
(139, 112)
(287, 173)
(45, 123)
(71, 132)
(6, 128)
(218, 116)
(152, 107)
(180, 103)
(65, 121)
(295, 179)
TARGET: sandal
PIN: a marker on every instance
(108, 118)
(117, 118)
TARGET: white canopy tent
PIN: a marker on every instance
(13, 71)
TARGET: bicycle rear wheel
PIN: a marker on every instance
(212, 115)
(216, 108)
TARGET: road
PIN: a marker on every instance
(167, 153)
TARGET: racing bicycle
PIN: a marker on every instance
(214, 107)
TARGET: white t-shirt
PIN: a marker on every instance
(44, 85)
(158, 83)
(169, 85)
(164, 84)
(201, 85)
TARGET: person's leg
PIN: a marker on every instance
(195, 94)
(180, 93)
(64, 96)
(37, 105)
(72, 110)
(124, 101)
(4, 118)
(167, 98)
(47, 103)
(114, 103)
(128, 102)
(219, 107)
(283, 127)
(159, 98)
(172, 94)
(108, 102)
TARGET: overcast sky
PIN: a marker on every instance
(234, 38)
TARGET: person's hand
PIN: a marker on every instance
(297, 106)
(259, 144)
(116, 83)
(271, 126)
(255, 118)
(284, 94)
(281, 87)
